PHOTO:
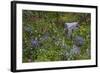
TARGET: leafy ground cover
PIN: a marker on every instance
(45, 36)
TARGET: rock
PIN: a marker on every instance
(70, 27)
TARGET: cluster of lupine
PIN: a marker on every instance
(35, 43)
(78, 41)
(75, 50)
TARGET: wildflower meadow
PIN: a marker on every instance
(55, 36)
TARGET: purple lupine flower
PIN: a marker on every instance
(79, 41)
(75, 50)
(34, 43)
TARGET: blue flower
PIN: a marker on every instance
(75, 50)
(34, 43)
(79, 41)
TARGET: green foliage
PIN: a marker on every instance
(56, 46)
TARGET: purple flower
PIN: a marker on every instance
(79, 41)
(75, 50)
(34, 43)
